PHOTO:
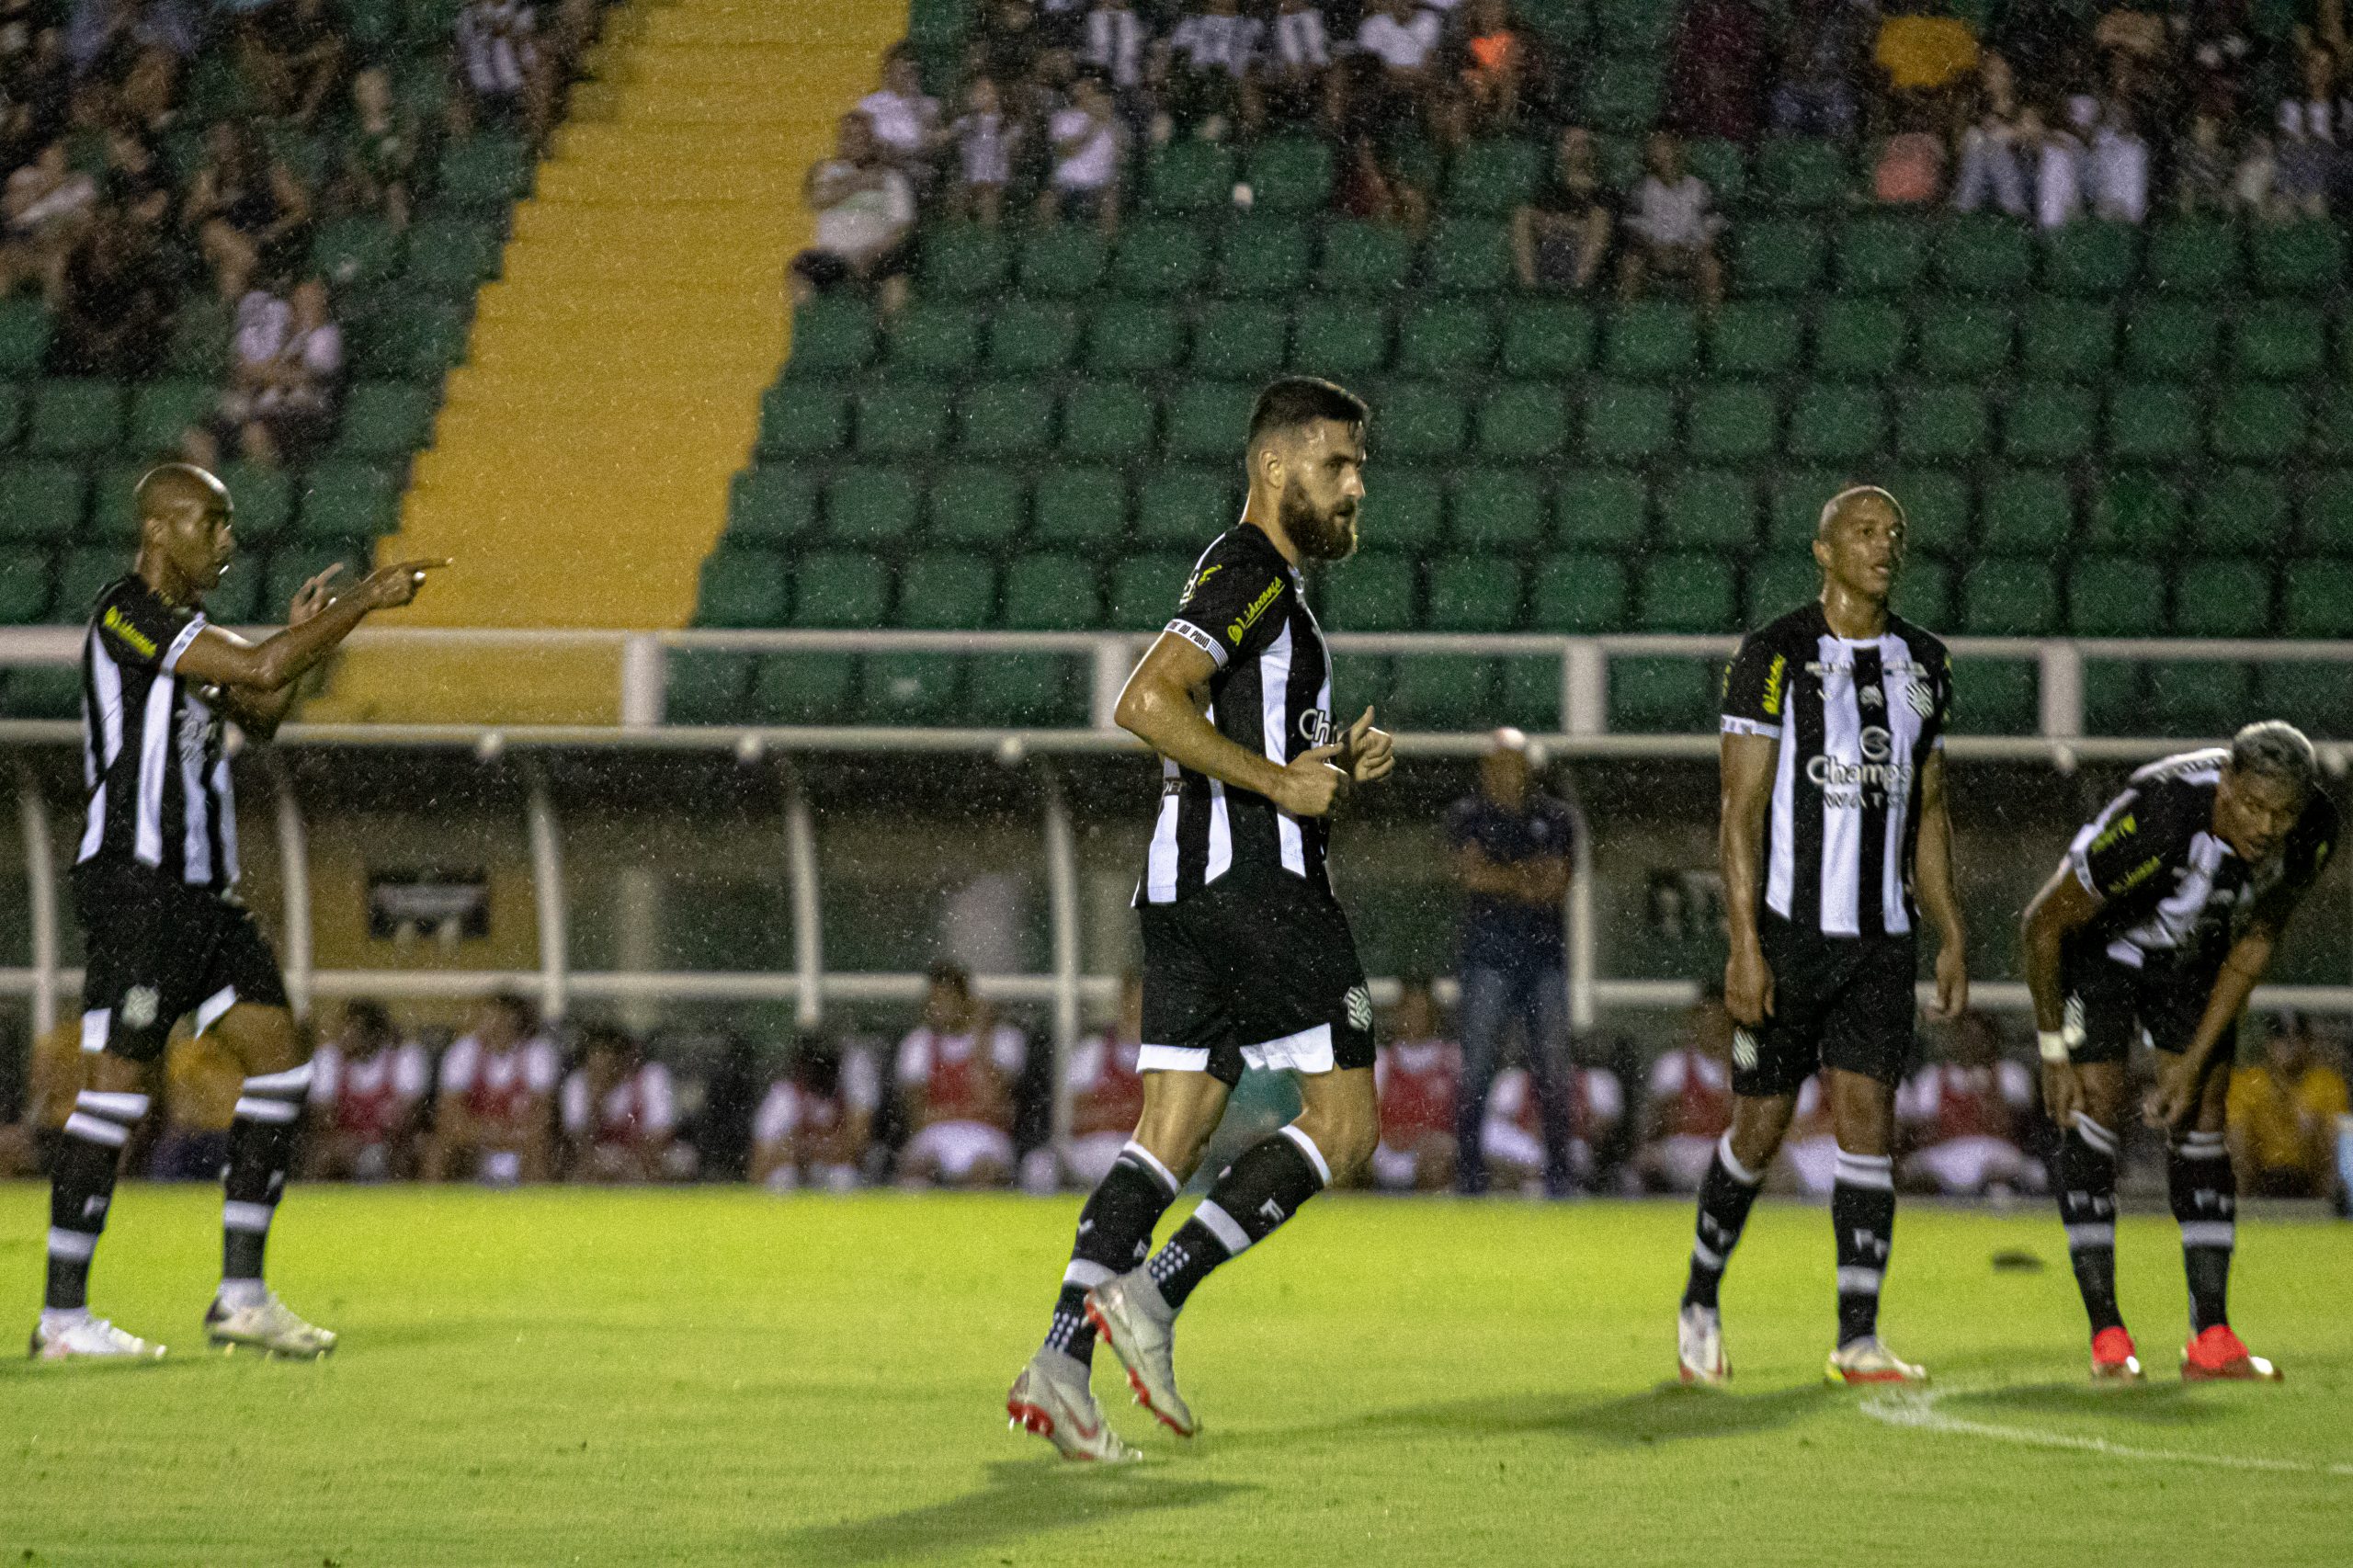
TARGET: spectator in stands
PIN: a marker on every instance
(1006, 50)
(49, 205)
(39, 85)
(985, 139)
(1085, 137)
(1062, 24)
(291, 53)
(1403, 39)
(1204, 71)
(137, 184)
(368, 1090)
(2048, 42)
(955, 1077)
(492, 1118)
(1966, 1117)
(1372, 184)
(244, 205)
(53, 1077)
(866, 216)
(1492, 70)
(1106, 1091)
(1993, 150)
(1513, 1133)
(2117, 165)
(286, 363)
(1922, 55)
(904, 119)
(2203, 170)
(202, 1082)
(2306, 152)
(1688, 1102)
(619, 1113)
(814, 1125)
(1292, 85)
(1716, 71)
(1910, 169)
(1824, 48)
(115, 307)
(1419, 1077)
(504, 76)
(2283, 1115)
(1560, 239)
(1118, 45)
(375, 167)
(1673, 226)
(1510, 846)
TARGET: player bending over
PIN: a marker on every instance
(2160, 921)
(1834, 820)
(155, 886)
(1247, 959)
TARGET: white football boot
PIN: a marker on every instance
(89, 1339)
(269, 1326)
(1699, 1347)
(1065, 1413)
(1869, 1361)
(1134, 1321)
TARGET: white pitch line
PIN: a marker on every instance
(1919, 1410)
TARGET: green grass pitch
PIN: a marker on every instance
(720, 1377)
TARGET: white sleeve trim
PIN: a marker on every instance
(1734, 725)
(1199, 639)
(179, 644)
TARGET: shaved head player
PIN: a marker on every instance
(155, 882)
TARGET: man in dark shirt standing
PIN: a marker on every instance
(1510, 844)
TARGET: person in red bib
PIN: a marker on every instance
(1513, 1134)
(1965, 1117)
(1106, 1091)
(1419, 1081)
(492, 1120)
(619, 1113)
(368, 1092)
(813, 1127)
(1689, 1102)
(956, 1072)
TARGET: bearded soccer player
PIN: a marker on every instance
(1247, 959)
(156, 884)
(2159, 923)
(1834, 843)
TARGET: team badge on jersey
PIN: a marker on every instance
(1360, 1003)
(1922, 699)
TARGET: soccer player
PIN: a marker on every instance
(1834, 822)
(1247, 959)
(2160, 922)
(154, 882)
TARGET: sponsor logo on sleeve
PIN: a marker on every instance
(1249, 617)
(1193, 584)
(2120, 829)
(1774, 675)
(129, 635)
(2135, 877)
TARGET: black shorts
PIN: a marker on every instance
(1843, 1002)
(159, 949)
(2117, 1004)
(1262, 974)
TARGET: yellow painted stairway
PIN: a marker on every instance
(580, 468)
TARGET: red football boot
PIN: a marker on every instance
(2217, 1356)
(2114, 1359)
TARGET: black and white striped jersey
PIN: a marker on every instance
(1245, 608)
(159, 790)
(2170, 887)
(1855, 722)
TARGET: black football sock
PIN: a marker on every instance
(81, 1189)
(1726, 1194)
(1862, 1210)
(1114, 1235)
(1264, 1186)
(261, 1148)
(2198, 1173)
(2087, 1208)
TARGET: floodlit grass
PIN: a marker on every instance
(718, 1377)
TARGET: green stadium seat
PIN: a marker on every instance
(1239, 340)
(236, 599)
(74, 418)
(1882, 255)
(1777, 256)
(2171, 339)
(1208, 421)
(1052, 592)
(945, 591)
(287, 570)
(1686, 593)
(1144, 589)
(908, 689)
(741, 587)
(1405, 509)
(25, 328)
(1732, 422)
(1127, 337)
(2049, 422)
(1188, 177)
(1084, 507)
(381, 419)
(24, 586)
(419, 339)
(1941, 424)
(1936, 510)
(162, 413)
(800, 687)
(1488, 179)
(2009, 598)
(1446, 691)
(1062, 260)
(2068, 340)
(979, 507)
(1289, 175)
(832, 335)
(1523, 422)
(349, 500)
(1445, 337)
(2281, 340)
(996, 420)
(1994, 697)
(1858, 339)
(1339, 339)
(1025, 690)
(871, 506)
(1473, 593)
(1601, 511)
(2222, 598)
(1500, 509)
(1263, 255)
(485, 173)
(2326, 513)
(1469, 256)
(934, 339)
(964, 261)
(1745, 338)
(2025, 512)
(2241, 511)
(1110, 422)
(1724, 166)
(2258, 423)
(1578, 596)
(1544, 338)
(1708, 509)
(1373, 593)
(114, 513)
(2193, 256)
(1652, 341)
(199, 348)
(2153, 423)
(1032, 337)
(2090, 260)
(1965, 340)
(2304, 257)
(2115, 597)
(1803, 172)
(1663, 694)
(1186, 507)
(901, 421)
(2331, 437)
(1778, 584)
(1622, 95)
(12, 413)
(1422, 422)
(2314, 697)
(1830, 423)
(1364, 258)
(2318, 605)
(2186, 698)
(1983, 255)
(706, 685)
(1924, 592)
(1793, 505)
(1624, 423)
(766, 507)
(452, 256)
(2138, 511)
(355, 251)
(264, 499)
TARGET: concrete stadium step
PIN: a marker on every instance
(663, 185)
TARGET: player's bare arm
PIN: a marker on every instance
(1165, 705)
(1932, 885)
(1747, 768)
(222, 658)
(259, 713)
(2063, 906)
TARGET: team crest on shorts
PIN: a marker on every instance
(1359, 1002)
(139, 1004)
(1743, 1050)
